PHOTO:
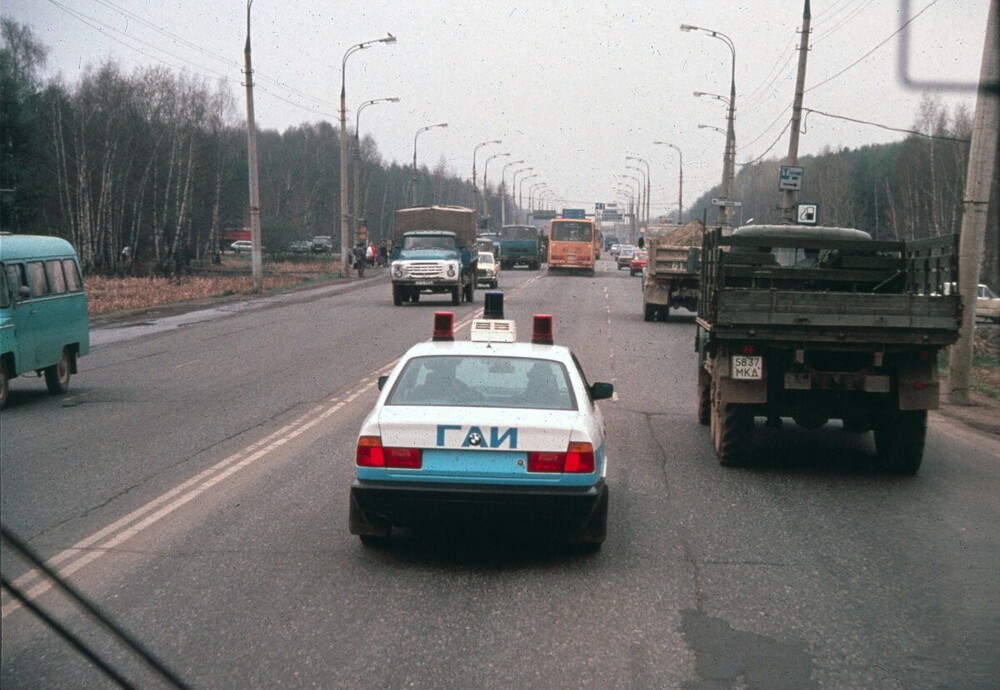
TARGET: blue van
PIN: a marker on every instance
(43, 311)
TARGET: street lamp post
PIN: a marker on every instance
(638, 196)
(649, 181)
(513, 187)
(520, 194)
(475, 189)
(413, 180)
(729, 161)
(531, 195)
(355, 217)
(680, 180)
(503, 191)
(345, 210)
(644, 194)
(486, 189)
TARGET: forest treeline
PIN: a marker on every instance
(156, 161)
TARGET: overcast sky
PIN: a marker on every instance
(571, 87)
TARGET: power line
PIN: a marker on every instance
(893, 129)
(109, 31)
(866, 55)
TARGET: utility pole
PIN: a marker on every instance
(788, 197)
(255, 259)
(975, 206)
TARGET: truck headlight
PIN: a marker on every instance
(397, 270)
(452, 270)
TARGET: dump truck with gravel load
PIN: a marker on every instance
(819, 324)
(671, 276)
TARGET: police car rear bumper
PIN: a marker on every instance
(375, 506)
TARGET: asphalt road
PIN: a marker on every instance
(194, 484)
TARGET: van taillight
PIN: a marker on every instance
(578, 459)
(371, 453)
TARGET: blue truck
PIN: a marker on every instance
(434, 251)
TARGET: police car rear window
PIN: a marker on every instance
(480, 381)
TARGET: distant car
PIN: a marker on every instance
(487, 270)
(987, 304)
(491, 430)
(321, 244)
(638, 262)
(614, 249)
(300, 247)
(625, 252)
(241, 246)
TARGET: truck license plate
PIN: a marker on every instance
(423, 282)
(747, 368)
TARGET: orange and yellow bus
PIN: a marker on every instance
(571, 245)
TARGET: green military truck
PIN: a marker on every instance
(819, 324)
(519, 244)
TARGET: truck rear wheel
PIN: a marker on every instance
(899, 440)
(736, 436)
(456, 296)
(704, 400)
(649, 312)
(732, 431)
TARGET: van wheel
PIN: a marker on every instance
(4, 384)
(57, 376)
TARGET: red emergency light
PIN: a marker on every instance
(541, 330)
(444, 326)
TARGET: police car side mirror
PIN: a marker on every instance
(381, 381)
(602, 391)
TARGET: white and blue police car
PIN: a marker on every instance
(482, 430)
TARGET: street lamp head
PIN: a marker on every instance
(388, 39)
(688, 27)
(393, 100)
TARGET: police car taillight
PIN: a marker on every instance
(578, 459)
(444, 325)
(371, 453)
(541, 329)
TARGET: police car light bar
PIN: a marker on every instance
(493, 331)
(444, 326)
(541, 330)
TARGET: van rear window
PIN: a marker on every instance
(73, 282)
(36, 279)
(54, 272)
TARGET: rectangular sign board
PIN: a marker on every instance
(574, 213)
(790, 178)
(543, 214)
(611, 216)
(718, 201)
(807, 214)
